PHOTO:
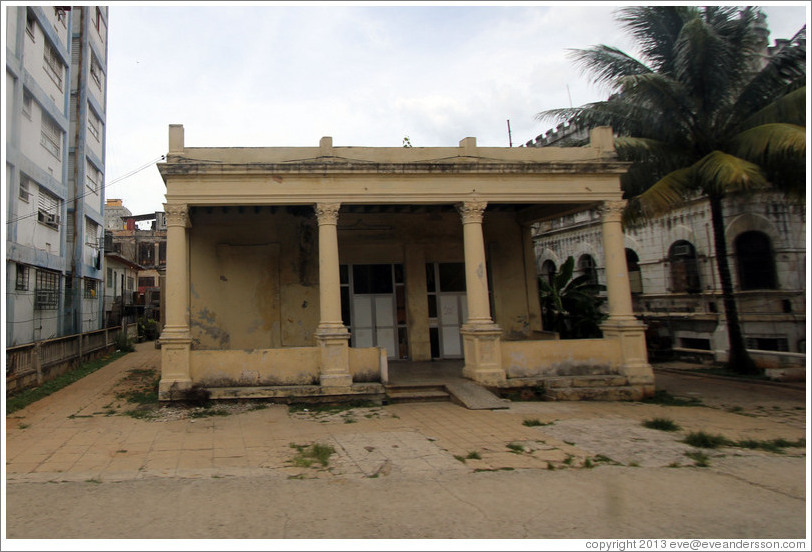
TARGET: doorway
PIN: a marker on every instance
(448, 308)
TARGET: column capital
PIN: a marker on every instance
(612, 209)
(327, 213)
(177, 214)
(472, 211)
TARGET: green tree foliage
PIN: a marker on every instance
(705, 111)
(571, 306)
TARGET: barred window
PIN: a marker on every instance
(51, 136)
(48, 209)
(46, 296)
(53, 64)
(90, 288)
(22, 277)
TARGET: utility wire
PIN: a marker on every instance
(105, 187)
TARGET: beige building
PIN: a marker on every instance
(305, 271)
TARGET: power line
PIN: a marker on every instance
(105, 187)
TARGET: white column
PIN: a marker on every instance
(332, 336)
(176, 338)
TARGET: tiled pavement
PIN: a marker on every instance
(71, 436)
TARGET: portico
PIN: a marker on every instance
(302, 271)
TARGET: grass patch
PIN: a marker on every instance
(308, 455)
(23, 426)
(588, 463)
(516, 448)
(701, 439)
(473, 455)
(663, 424)
(328, 408)
(460, 458)
(663, 397)
(24, 398)
(602, 458)
(701, 460)
(770, 445)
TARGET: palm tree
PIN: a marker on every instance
(704, 111)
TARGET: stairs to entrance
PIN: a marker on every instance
(416, 392)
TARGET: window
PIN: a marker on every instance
(95, 71)
(90, 288)
(755, 261)
(684, 269)
(98, 23)
(22, 278)
(146, 281)
(91, 232)
(25, 188)
(53, 64)
(146, 254)
(130, 283)
(51, 136)
(109, 277)
(30, 27)
(548, 271)
(48, 209)
(28, 102)
(61, 14)
(768, 343)
(633, 266)
(93, 125)
(586, 266)
(46, 296)
(92, 178)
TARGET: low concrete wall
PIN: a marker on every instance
(274, 367)
(781, 366)
(257, 367)
(365, 364)
(524, 359)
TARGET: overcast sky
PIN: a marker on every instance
(367, 75)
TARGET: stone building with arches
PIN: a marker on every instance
(674, 280)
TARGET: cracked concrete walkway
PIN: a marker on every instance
(426, 470)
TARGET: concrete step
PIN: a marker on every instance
(605, 380)
(416, 393)
(616, 393)
(475, 397)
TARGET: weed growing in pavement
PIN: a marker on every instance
(770, 445)
(588, 463)
(516, 448)
(535, 422)
(663, 424)
(568, 459)
(23, 426)
(24, 398)
(328, 408)
(474, 455)
(634, 464)
(606, 460)
(706, 440)
(701, 460)
(207, 412)
(307, 455)
(674, 465)
(460, 458)
(550, 466)
(663, 397)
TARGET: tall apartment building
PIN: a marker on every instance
(56, 67)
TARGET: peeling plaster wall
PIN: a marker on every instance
(291, 366)
(253, 280)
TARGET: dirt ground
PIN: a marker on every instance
(538, 470)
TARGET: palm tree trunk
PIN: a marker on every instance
(738, 358)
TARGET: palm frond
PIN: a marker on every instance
(719, 173)
(656, 30)
(758, 143)
(666, 194)
(605, 64)
(788, 108)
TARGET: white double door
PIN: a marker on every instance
(374, 322)
(452, 312)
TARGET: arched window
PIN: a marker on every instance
(755, 261)
(548, 271)
(684, 270)
(586, 265)
(635, 278)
